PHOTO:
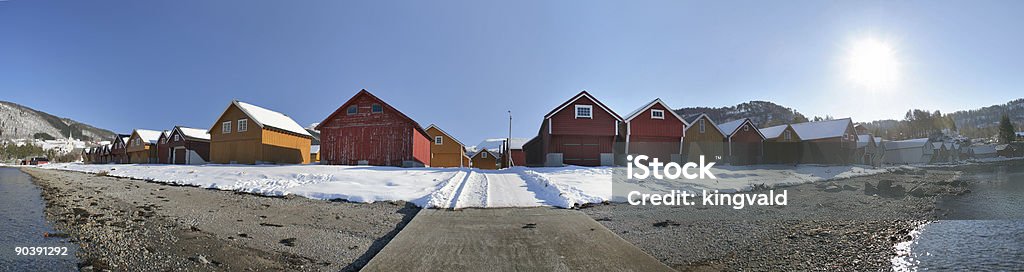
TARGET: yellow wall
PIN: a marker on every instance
(485, 163)
(255, 145)
(138, 152)
(449, 153)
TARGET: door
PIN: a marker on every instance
(179, 155)
(581, 150)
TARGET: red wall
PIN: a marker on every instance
(745, 146)
(421, 147)
(564, 122)
(162, 150)
(645, 127)
(383, 138)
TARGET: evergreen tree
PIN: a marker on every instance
(1006, 131)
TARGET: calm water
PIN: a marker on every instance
(981, 231)
(23, 224)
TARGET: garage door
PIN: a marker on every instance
(584, 151)
(179, 156)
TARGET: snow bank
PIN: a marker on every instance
(461, 187)
(351, 183)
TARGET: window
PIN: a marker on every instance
(701, 125)
(352, 110)
(225, 127)
(177, 137)
(438, 140)
(376, 108)
(657, 114)
(483, 155)
(789, 135)
(584, 111)
(243, 125)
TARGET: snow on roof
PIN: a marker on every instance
(265, 117)
(1020, 133)
(822, 129)
(517, 143)
(863, 140)
(912, 143)
(642, 109)
(729, 127)
(490, 144)
(984, 149)
(773, 132)
(149, 136)
(314, 149)
(194, 133)
(1004, 147)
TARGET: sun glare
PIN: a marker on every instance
(872, 63)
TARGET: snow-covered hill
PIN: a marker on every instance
(21, 122)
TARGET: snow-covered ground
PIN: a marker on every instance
(460, 187)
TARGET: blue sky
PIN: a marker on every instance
(463, 64)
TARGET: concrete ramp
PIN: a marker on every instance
(521, 239)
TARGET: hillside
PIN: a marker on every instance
(977, 123)
(20, 122)
(762, 113)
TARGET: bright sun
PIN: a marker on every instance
(872, 63)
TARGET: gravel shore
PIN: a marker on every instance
(124, 224)
(825, 226)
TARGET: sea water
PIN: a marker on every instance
(22, 224)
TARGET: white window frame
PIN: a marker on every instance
(789, 135)
(654, 116)
(701, 125)
(349, 112)
(177, 138)
(483, 155)
(438, 140)
(225, 127)
(243, 125)
(590, 110)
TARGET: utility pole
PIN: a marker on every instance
(508, 143)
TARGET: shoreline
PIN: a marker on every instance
(123, 223)
(154, 225)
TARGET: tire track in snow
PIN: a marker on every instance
(473, 192)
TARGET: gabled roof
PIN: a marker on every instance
(644, 108)
(692, 119)
(194, 133)
(147, 135)
(343, 107)
(265, 118)
(822, 129)
(864, 139)
(984, 149)
(577, 97)
(730, 128)
(485, 150)
(773, 132)
(445, 134)
(912, 143)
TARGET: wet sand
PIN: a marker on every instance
(124, 224)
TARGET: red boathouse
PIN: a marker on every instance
(367, 131)
(581, 131)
